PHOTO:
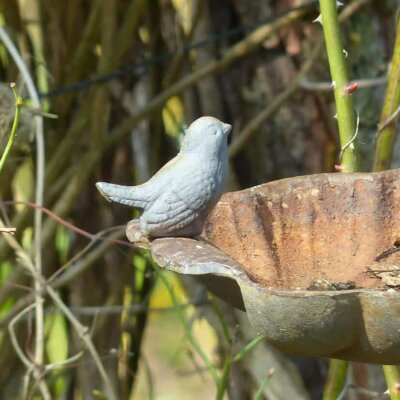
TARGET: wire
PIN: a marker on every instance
(143, 66)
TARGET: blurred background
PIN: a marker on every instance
(118, 81)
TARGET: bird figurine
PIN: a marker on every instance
(177, 199)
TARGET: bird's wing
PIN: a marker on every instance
(186, 197)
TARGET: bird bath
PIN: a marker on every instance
(299, 255)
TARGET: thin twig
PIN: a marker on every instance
(252, 127)
(18, 104)
(327, 86)
(64, 363)
(8, 230)
(365, 393)
(30, 366)
(386, 133)
(188, 331)
(238, 51)
(86, 339)
(72, 227)
(388, 121)
(79, 267)
(80, 329)
(249, 130)
(39, 189)
(25, 360)
(132, 309)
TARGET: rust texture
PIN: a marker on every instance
(287, 236)
(294, 232)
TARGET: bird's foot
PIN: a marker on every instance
(135, 236)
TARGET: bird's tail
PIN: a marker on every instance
(132, 196)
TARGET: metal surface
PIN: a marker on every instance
(327, 211)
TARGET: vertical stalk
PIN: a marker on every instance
(39, 192)
(335, 380)
(387, 126)
(345, 111)
(31, 18)
(392, 377)
(349, 158)
(18, 104)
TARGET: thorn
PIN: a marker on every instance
(318, 19)
(335, 116)
(350, 88)
(339, 168)
(339, 4)
(352, 146)
(346, 54)
(333, 84)
(394, 390)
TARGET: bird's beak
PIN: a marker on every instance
(226, 129)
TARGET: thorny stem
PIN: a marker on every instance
(387, 126)
(345, 111)
(383, 156)
(349, 159)
(298, 83)
(18, 104)
(392, 377)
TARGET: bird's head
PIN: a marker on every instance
(206, 133)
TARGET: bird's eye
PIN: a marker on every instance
(213, 130)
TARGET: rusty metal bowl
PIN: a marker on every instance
(270, 247)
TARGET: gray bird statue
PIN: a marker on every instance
(177, 199)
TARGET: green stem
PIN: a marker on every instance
(18, 104)
(348, 126)
(392, 377)
(387, 126)
(223, 383)
(259, 395)
(345, 111)
(222, 320)
(188, 331)
(335, 380)
(247, 348)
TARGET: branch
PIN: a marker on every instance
(340, 80)
(327, 86)
(39, 344)
(30, 366)
(387, 126)
(241, 49)
(82, 331)
(298, 83)
(18, 104)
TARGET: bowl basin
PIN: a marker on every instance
(297, 255)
